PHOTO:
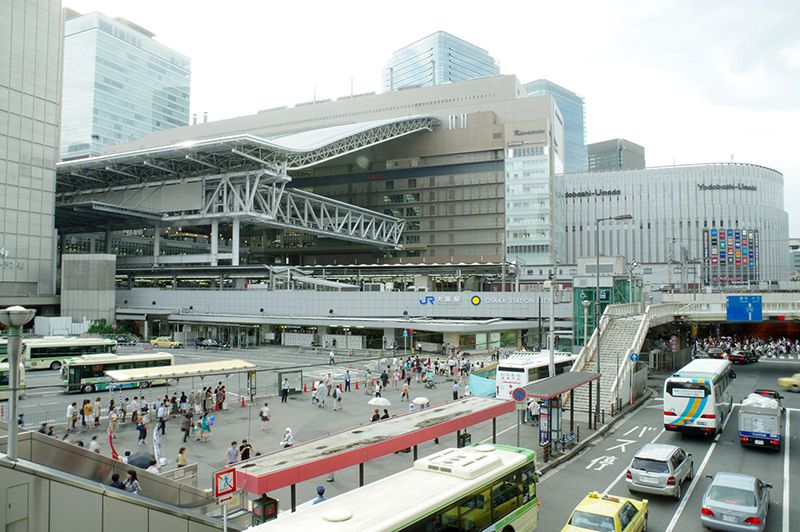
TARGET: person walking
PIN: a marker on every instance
(181, 460)
(123, 410)
(135, 407)
(244, 450)
(285, 390)
(264, 414)
(288, 438)
(533, 410)
(337, 398)
(132, 483)
(404, 395)
(98, 407)
(321, 394)
(205, 428)
(113, 422)
(142, 428)
(186, 426)
(161, 413)
(232, 453)
(455, 390)
(86, 413)
(347, 380)
(72, 416)
(183, 403)
(329, 383)
(331, 358)
(378, 389)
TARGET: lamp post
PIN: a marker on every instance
(14, 318)
(586, 304)
(632, 266)
(597, 300)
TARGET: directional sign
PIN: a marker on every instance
(634, 357)
(224, 482)
(405, 333)
(519, 394)
(744, 308)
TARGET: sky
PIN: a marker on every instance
(692, 81)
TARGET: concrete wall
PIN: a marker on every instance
(34, 502)
(87, 287)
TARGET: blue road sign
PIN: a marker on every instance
(634, 357)
(744, 308)
(405, 333)
(519, 394)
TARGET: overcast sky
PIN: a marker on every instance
(692, 81)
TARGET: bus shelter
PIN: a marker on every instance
(550, 391)
(358, 445)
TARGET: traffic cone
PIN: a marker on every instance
(243, 401)
(305, 388)
(340, 388)
(356, 385)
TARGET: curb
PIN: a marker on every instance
(596, 435)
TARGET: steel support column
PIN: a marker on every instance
(214, 242)
(235, 242)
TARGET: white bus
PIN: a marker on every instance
(697, 397)
(50, 352)
(485, 487)
(88, 372)
(525, 367)
(5, 381)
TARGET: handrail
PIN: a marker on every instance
(638, 341)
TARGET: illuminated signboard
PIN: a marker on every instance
(730, 256)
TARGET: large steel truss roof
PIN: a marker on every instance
(201, 158)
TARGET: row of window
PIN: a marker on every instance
(528, 248)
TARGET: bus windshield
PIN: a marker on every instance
(690, 390)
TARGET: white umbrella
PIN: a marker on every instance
(379, 401)
(421, 401)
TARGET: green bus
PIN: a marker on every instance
(50, 352)
(88, 373)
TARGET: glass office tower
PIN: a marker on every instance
(30, 83)
(572, 108)
(119, 84)
(436, 59)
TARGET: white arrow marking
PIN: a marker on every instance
(621, 445)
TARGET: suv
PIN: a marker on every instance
(165, 341)
(660, 469)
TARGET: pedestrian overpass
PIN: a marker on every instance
(623, 329)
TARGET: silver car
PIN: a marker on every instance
(735, 501)
(660, 469)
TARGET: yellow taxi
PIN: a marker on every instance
(165, 341)
(790, 383)
(608, 513)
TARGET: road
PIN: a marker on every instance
(602, 467)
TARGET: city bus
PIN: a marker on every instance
(87, 373)
(697, 397)
(5, 381)
(525, 367)
(50, 352)
(483, 487)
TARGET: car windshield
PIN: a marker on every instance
(650, 465)
(730, 495)
(591, 521)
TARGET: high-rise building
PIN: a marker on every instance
(615, 154)
(436, 59)
(119, 84)
(30, 94)
(572, 109)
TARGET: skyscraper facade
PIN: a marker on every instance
(615, 154)
(30, 83)
(572, 109)
(119, 84)
(436, 59)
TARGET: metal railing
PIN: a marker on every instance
(636, 345)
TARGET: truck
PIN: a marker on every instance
(761, 422)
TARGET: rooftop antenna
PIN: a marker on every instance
(351, 85)
(194, 119)
(205, 116)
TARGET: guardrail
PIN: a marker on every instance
(636, 345)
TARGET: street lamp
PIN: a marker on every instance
(586, 304)
(597, 300)
(14, 318)
(632, 266)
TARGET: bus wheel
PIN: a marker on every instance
(508, 528)
(145, 384)
(87, 388)
(55, 365)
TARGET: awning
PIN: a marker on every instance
(179, 371)
(554, 386)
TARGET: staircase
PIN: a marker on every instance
(616, 342)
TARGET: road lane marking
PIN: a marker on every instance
(786, 484)
(625, 470)
(698, 473)
(632, 430)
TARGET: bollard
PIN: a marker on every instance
(603, 418)
(578, 434)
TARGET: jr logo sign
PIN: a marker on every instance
(427, 300)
